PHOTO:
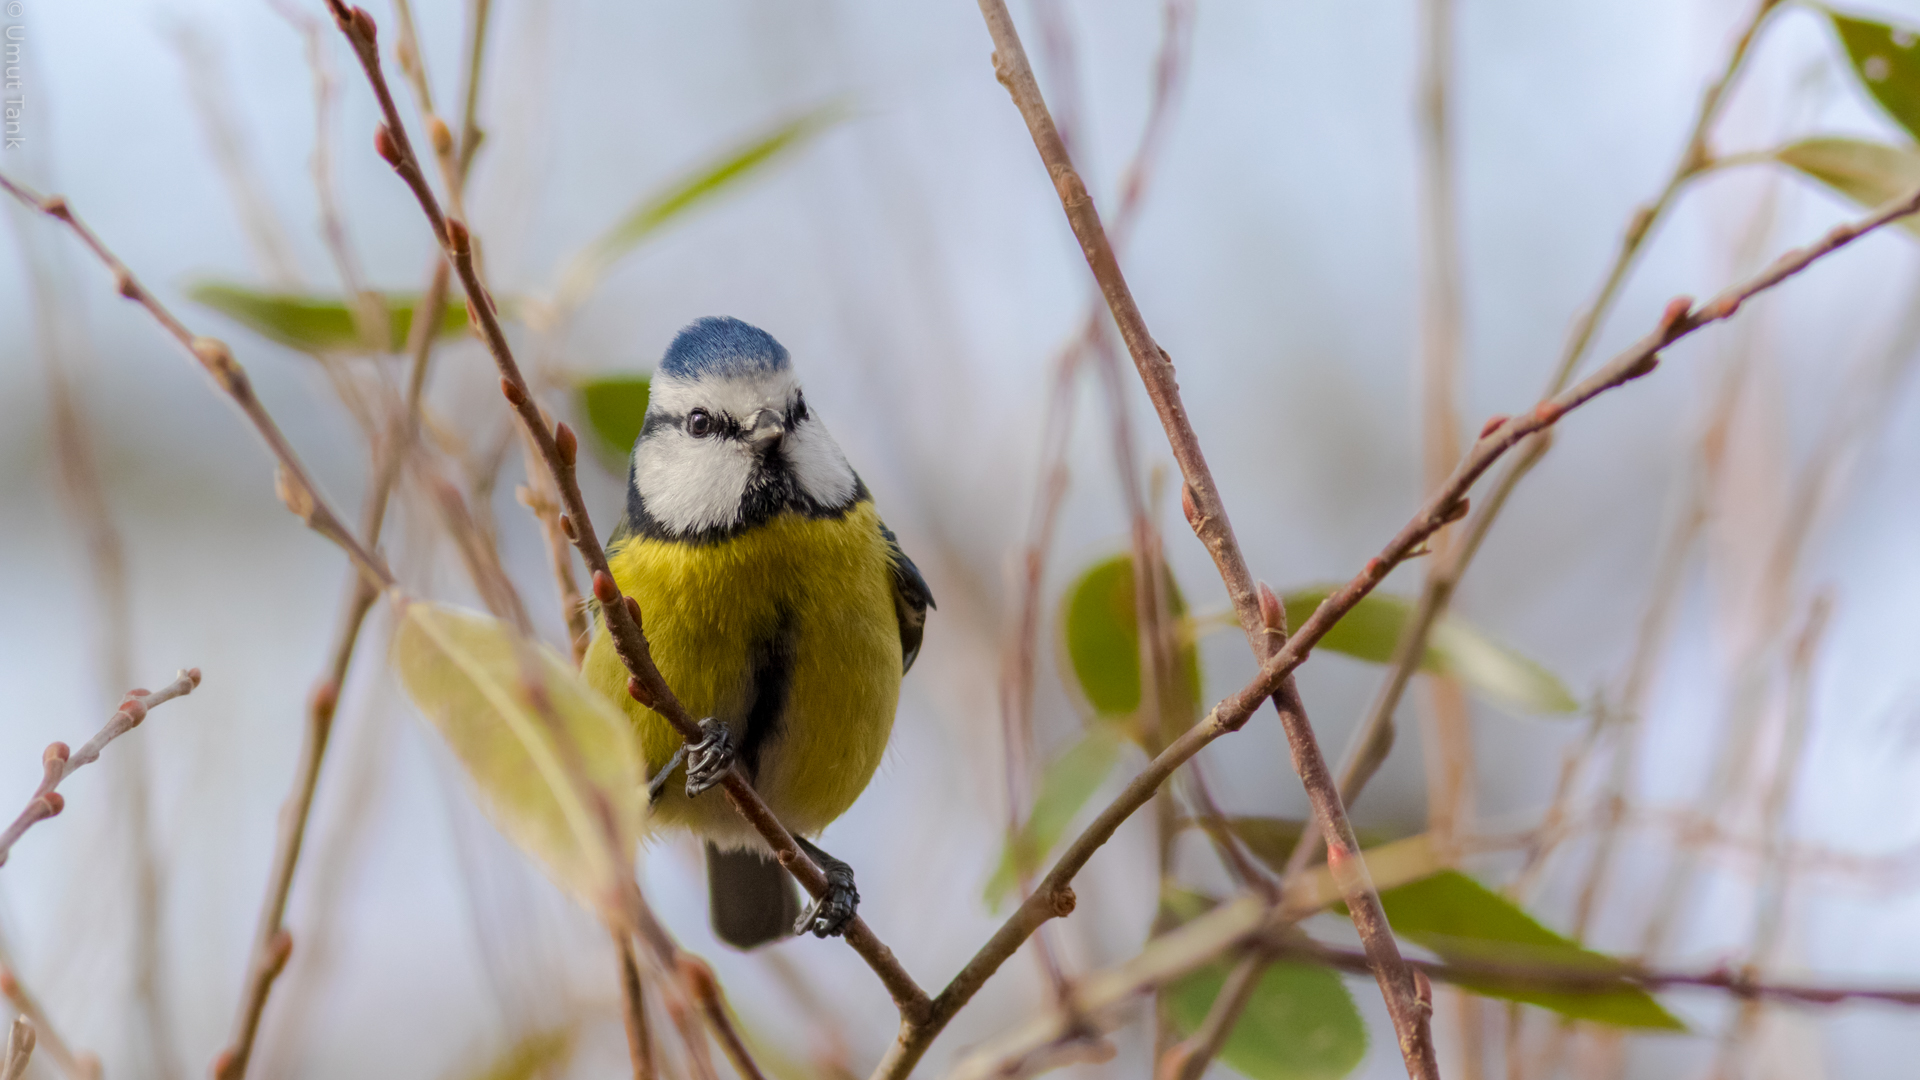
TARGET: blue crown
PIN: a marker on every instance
(722, 347)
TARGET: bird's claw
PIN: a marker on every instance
(709, 759)
(829, 915)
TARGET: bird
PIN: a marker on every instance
(778, 606)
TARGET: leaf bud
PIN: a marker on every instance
(384, 145)
(604, 590)
(296, 495)
(566, 442)
(218, 360)
(363, 25)
(1272, 612)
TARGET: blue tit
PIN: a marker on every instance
(777, 605)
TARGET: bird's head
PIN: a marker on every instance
(728, 440)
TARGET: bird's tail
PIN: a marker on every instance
(750, 897)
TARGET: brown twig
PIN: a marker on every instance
(1208, 516)
(296, 489)
(558, 447)
(633, 1010)
(58, 762)
(1054, 895)
(1374, 737)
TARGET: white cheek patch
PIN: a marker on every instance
(692, 485)
(818, 466)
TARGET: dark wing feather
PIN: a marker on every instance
(911, 599)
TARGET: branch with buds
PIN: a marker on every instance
(58, 763)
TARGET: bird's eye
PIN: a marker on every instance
(699, 424)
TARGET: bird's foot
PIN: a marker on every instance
(709, 758)
(829, 915)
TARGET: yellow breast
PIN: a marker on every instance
(800, 608)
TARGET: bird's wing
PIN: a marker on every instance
(911, 598)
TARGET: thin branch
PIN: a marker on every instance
(296, 489)
(58, 762)
(633, 1010)
(1054, 896)
(1374, 737)
(1207, 513)
(558, 447)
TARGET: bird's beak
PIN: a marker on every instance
(768, 429)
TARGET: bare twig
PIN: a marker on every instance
(58, 762)
(1053, 897)
(633, 1010)
(295, 487)
(1208, 516)
(1374, 737)
(558, 447)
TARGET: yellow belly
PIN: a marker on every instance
(825, 589)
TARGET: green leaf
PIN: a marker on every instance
(615, 407)
(1101, 632)
(1869, 173)
(1065, 787)
(564, 782)
(1461, 919)
(1300, 1024)
(1371, 629)
(697, 186)
(1887, 61)
(316, 324)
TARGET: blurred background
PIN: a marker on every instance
(913, 258)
